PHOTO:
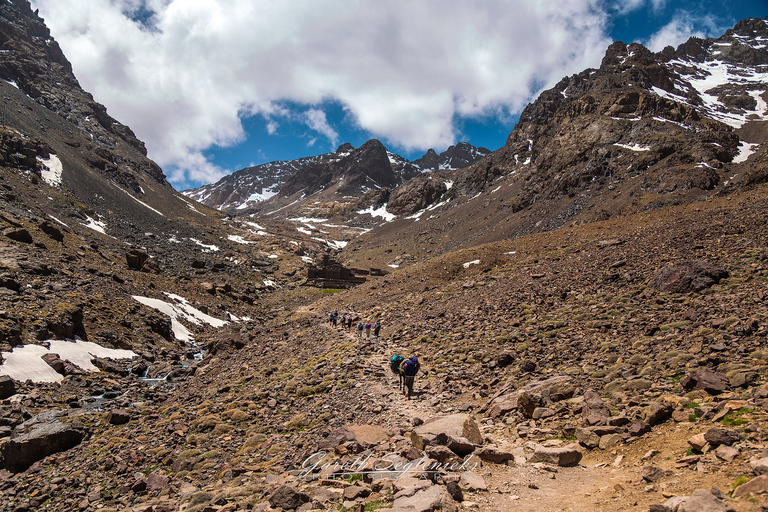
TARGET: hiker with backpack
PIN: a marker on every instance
(360, 329)
(376, 329)
(368, 329)
(410, 367)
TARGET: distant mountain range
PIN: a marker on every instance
(355, 170)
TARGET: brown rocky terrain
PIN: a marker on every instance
(570, 361)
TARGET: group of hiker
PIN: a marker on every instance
(405, 368)
(347, 320)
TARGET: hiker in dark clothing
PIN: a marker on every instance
(410, 369)
(360, 327)
(349, 322)
(376, 329)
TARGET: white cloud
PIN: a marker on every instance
(315, 119)
(403, 69)
(680, 29)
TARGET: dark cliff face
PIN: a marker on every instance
(32, 61)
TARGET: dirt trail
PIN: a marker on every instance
(604, 480)
(590, 486)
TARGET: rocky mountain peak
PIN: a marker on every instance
(31, 61)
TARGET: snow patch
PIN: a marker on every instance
(206, 247)
(142, 203)
(53, 168)
(177, 310)
(95, 225)
(239, 239)
(745, 150)
(57, 220)
(634, 147)
(473, 262)
(379, 212)
(25, 362)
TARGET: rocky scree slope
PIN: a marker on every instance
(641, 132)
(546, 340)
(88, 223)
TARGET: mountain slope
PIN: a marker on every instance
(643, 131)
(355, 170)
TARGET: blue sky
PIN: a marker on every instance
(215, 86)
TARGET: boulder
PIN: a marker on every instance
(54, 362)
(357, 491)
(455, 426)
(595, 410)
(440, 453)
(759, 466)
(432, 499)
(365, 436)
(136, 258)
(657, 412)
(703, 501)
(18, 234)
(52, 231)
(7, 387)
(288, 498)
(559, 456)
(42, 440)
(157, 481)
(472, 482)
(494, 454)
(537, 394)
(687, 276)
(653, 473)
(587, 437)
(743, 379)
(110, 366)
(118, 417)
(726, 453)
(697, 442)
(717, 436)
(461, 446)
(710, 381)
(757, 485)
(454, 489)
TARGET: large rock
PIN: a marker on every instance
(7, 387)
(433, 499)
(495, 454)
(717, 436)
(703, 501)
(365, 436)
(118, 417)
(288, 498)
(687, 276)
(560, 456)
(757, 485)
(108, 365)
(710, 381)
(18, 234)
(657, 412)
(42, 440)
(532, 395)
(595, 410)
(759, 466)
(455, 426)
